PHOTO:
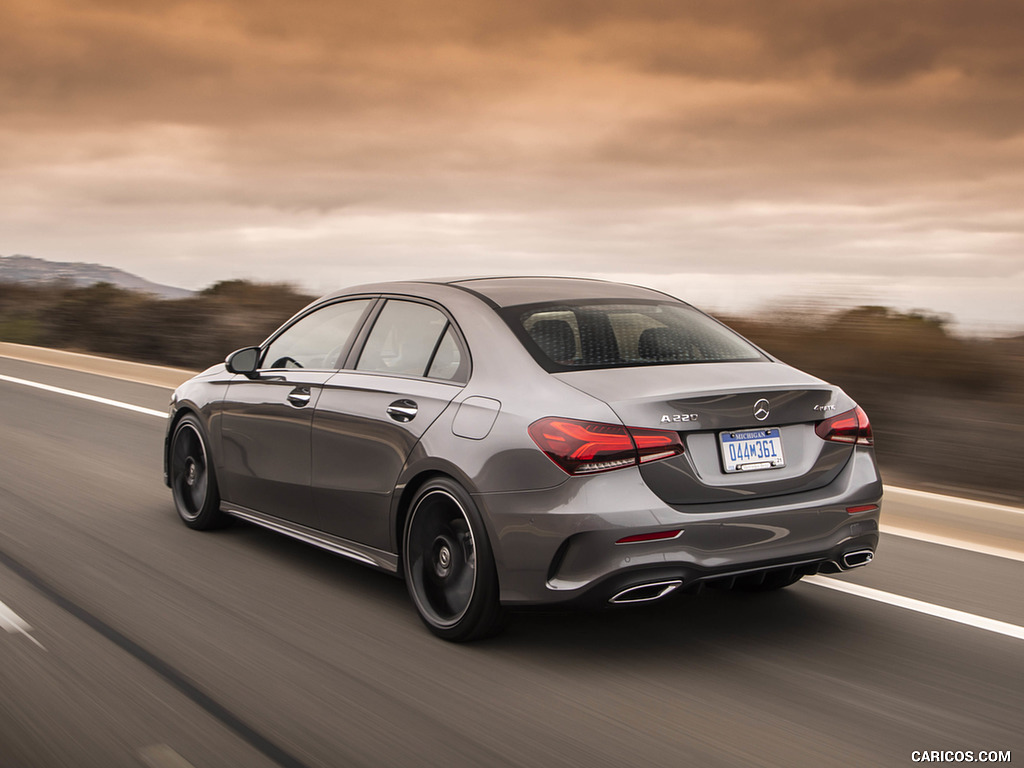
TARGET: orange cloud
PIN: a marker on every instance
(571, 130)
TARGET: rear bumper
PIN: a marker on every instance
(646, 583)
(558, 546)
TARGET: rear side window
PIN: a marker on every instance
(412, 339)
(447, 362)
(582, 335)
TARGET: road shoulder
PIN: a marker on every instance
(140, 373)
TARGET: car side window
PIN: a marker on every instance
(448, 362)
(407, 338)
(318, 340)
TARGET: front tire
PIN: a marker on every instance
(449, 565)
(193, 480)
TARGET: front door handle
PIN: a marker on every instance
(403, 410)
(299, 397)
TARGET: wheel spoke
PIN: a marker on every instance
(442, 558)
(459, 590)
(199, 491)
(189, 472)
(179, 452)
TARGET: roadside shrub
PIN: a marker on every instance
(194, 332)
(948, 412)
(873, 351)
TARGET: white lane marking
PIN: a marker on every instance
(12, 622)
(961, 617)
(902, 532)
(84, 396)
(162, 756)
(954, 499)
(948, 541)
(888, 488)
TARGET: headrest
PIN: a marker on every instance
(662, 344)
(556, 338)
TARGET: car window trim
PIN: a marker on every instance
(404, 376)
(364, 332)
(373, 302)
(437, 346)
(363, 335)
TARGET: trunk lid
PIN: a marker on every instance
(702, 401)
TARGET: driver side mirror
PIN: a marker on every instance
(244, 361)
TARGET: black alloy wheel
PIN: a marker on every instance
(193, 481)
(448, 564)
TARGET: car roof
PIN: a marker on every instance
(510, 291)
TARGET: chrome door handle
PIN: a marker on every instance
(403, 410)
(299, 396)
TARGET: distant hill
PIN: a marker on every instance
(33, 271)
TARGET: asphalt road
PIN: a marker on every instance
(133, 641)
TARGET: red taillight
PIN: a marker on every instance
(850, 427)
(585, 447)
(655, 444)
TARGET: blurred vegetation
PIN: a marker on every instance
(874, 351)
(948, 412)
(194, 332)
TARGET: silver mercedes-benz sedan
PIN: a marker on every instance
(504, 442)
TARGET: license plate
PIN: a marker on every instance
(752, 449)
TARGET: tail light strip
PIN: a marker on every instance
(850, 427)
(587, 447)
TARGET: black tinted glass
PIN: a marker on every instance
(317, 340)
(447, 362)
(605, 335)
(403, 339)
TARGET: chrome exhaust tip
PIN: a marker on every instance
(644, 593)
(857, 558)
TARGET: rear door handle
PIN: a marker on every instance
(299, 397)
(403, 410)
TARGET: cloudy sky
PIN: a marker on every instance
(738, 154)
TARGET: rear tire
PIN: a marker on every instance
(193, 480)
(449, 565)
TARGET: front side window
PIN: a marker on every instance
(318, 340)
(411, 339)
(584, 335)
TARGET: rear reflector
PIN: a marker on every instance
(862, 508)
(656, 536)
(585, 447)
(850, 427)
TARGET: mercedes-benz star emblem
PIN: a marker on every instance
(761, 409)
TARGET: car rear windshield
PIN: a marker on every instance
(601, 334)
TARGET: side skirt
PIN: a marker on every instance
(386, 561)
